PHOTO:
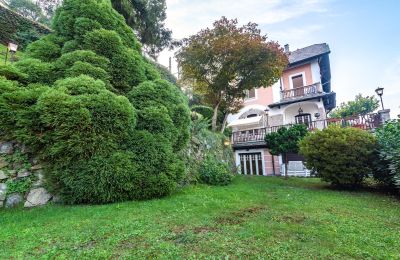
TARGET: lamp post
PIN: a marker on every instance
(379, 92)
(12, 49)
(267, 114)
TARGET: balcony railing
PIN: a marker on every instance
(302, 91)
(255, 136)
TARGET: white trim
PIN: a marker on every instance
(237, 158)
(294, 75)
(315, 71)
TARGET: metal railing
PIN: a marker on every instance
(366, 122)
(302, 91)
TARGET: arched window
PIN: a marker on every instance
(252, 115)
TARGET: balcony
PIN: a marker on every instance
(256, 136)
(305, 91)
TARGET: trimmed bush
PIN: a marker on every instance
(46, 49)
(341, 156)
(387, 170)
(100, 179)
(68, 60)
(84, 68)
(214, 172)
(36, 71)
(11, 73)
(84, 25)
(70, 46)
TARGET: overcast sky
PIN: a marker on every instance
(364, 35)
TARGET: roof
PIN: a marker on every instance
(246, 121)
(308, 53)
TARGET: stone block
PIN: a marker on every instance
(14, 200)
(37, 197)
(3, 191)
(3, 175)
(40, 180)
(6, 148)
(23, 173)
(3, 162)
(36, 167)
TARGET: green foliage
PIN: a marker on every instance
(147, 19)
(161, 93)
(21, 185)
(159, 169)
(360, 106)
(215, 172)
(84, 68)
(100, 179)
(36, 71)
(388, 167)
(12, 73)
(286, 140)
(93, 141)
(223, 62)
(46, 49)
(341, 156)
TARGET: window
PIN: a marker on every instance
(252, 115)
(297, 81)
(304, 119)
(251, 163)
(250, 94)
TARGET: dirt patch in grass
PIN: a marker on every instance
(297, 219)
(205, 229)
(239, 216)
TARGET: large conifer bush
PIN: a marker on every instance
(94, 110)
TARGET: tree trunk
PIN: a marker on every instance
(224, 123)
(215, 117)
(286, 165)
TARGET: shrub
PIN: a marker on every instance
(12, 73)
(341, 156)
(100, 179)
(159, 170)
(84, 68)
(36, 71)
(84, 25)
(214, 172)
(46, 49)
(70, 46)
(387, 170)
(103, 42)
(68, 60)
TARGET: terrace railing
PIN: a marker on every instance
(367, 122)
(304, 91)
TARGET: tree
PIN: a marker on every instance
(147, 18)
(358, 107)
(222, 62)
(286, 140)
(28, 9)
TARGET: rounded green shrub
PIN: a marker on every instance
(67, 60)
(70, 46)
(46, 49)
(12, 73)
(100, 179)
(157, 121)
(159, 169)
(341, 156)
(36, 70)
(103, 42)
(84, 68)
(83, 26)
(214, 172)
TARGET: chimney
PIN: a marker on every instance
(287, 48)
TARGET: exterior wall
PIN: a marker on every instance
(306, 70)
(264, 96)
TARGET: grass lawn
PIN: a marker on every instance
(3, 50)
(254, 217)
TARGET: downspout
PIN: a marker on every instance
(273, 165)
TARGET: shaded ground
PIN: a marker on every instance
(254, 217)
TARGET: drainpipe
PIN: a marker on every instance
(273, 165)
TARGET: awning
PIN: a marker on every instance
(247, 121)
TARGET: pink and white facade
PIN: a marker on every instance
(302, 95)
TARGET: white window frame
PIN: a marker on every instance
(303, 74)
(255, 95)
(237, 157)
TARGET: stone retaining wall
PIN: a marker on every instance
(21, 178)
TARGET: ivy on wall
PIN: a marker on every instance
(18, 29)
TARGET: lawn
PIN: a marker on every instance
(253, 217)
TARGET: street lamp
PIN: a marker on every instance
(379, 92)
(267, 114)
(12, 49)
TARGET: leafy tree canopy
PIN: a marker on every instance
(222, 62)
(286, 140)
(360, 106)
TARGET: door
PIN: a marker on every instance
(304, 119)
(251, 164)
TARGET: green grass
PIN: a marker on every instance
(3, 50)
(254, 217)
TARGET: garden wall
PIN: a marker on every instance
(21, 178)
(18, 29)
